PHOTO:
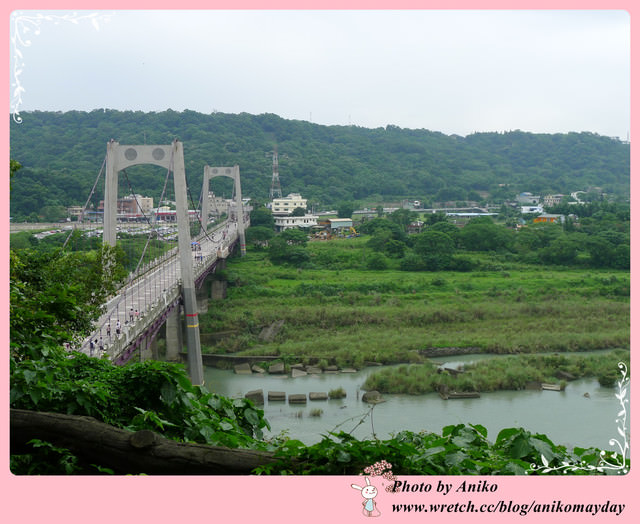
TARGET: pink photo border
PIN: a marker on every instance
(286, 499)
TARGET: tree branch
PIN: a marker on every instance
(129, 452)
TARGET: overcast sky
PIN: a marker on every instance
(457, 72)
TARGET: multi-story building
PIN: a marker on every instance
(75, 211)
(131, 207)
(218, 205)
(546, 217)
(552, 200)
(286, 205)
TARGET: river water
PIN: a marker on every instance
(566, 417)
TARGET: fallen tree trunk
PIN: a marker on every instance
(129, 452)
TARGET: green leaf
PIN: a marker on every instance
(35, 395)
(343, 456)
(168, 393)
(480, 429)
(226, 426)
(29, 375)
(543, 448)
(431, 451)
(251, 416)
(521, 447)
(506, 434)
(15, 395)
(207, 432)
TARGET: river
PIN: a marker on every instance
(566, 417)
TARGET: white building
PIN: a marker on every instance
(531, 209)
(286, 222)
(527, 198)
(145, 204)
(286, 205)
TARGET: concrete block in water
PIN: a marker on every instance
(242, 369)
(276, 395)
(297, 399)
(256, 395)
(314, 395)
(277, 368)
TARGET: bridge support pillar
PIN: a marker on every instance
(203, 305)
(173, 328)
(218, 289)
(148, 349)
(202, 299)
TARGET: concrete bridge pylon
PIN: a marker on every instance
(233, 173)
(171, 157)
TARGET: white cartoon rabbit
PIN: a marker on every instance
(369, 492)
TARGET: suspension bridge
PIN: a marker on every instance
(161, 291)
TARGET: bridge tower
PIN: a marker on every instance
(233, 173)
(171, 157)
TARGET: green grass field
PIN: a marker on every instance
(353, 316)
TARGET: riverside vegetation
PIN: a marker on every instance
(44, 378)
(387, 297)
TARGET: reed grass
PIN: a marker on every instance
(513, 372)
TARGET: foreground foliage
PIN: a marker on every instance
(55, 297)
(458, 450)
(148, 395)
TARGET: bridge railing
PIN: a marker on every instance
(213, 245)
(145, 327)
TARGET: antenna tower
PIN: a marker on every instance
(276, 191)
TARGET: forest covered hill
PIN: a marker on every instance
(62, 152)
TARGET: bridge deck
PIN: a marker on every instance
(153, 294)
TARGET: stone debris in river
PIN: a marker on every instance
(256, 395)
(242, 369)
(276, 395)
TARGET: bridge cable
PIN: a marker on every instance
(135, 273)
(199, 217)
(84, 208)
